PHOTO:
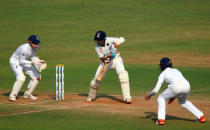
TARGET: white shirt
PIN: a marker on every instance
(23, 54)
(103, 51)
(174, 79)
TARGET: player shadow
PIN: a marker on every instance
(52, 96)
(104, 96)
(20, 94)
(8, 93)
(153, 117)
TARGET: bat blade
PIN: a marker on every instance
(102, 72)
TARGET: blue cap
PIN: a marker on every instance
(165, 63)
(34, 39)
(100, 36)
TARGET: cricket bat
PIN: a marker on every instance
(102, 72)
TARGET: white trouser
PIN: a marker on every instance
(182, 99)
(20, 69)
(19, 73)
(116, 64)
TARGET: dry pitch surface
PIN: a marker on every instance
(104, 103)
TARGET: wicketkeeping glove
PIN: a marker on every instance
(39, 64)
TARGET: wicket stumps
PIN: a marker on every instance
(60, 82)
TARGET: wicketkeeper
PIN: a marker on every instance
(110, 59)
(178, 87)
(23, 61)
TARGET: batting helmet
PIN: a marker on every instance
(100, 36)
(165, 63)
(34, 39)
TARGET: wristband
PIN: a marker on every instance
(151, 94)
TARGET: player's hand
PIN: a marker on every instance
(147, 96)
(38, 67)
(111, 55)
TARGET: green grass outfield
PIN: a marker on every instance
(78, 119)
(153, 29)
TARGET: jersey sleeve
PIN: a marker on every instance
(23, 57)
(117, 40)
(33, 56)
(158, 84)
(113, 40)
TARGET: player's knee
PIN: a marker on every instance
(94, 87)
(38, 78)
(182, 101)
(21, 77)
(95, 83)
(123, 76)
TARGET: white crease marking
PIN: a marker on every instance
(47, 109)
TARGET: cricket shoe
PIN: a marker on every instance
(90, 99)
(12, 98)
(128, 101)
(202, 119)
(160, 122)
(29, 96)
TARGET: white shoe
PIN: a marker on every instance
(89, 99)
(29, 96)
(128, 101)
(12, 98)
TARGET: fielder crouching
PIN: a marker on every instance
(178, 87)
(110, 59)
(20, 63)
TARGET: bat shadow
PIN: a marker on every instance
(153, 117)
(104, 96)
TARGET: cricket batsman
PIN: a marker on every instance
(23, 61)
(110, 59)
(178, 87)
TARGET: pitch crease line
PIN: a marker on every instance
(49, 109)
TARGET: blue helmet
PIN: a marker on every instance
(100, 36)
(165, 63)
(34, 39)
